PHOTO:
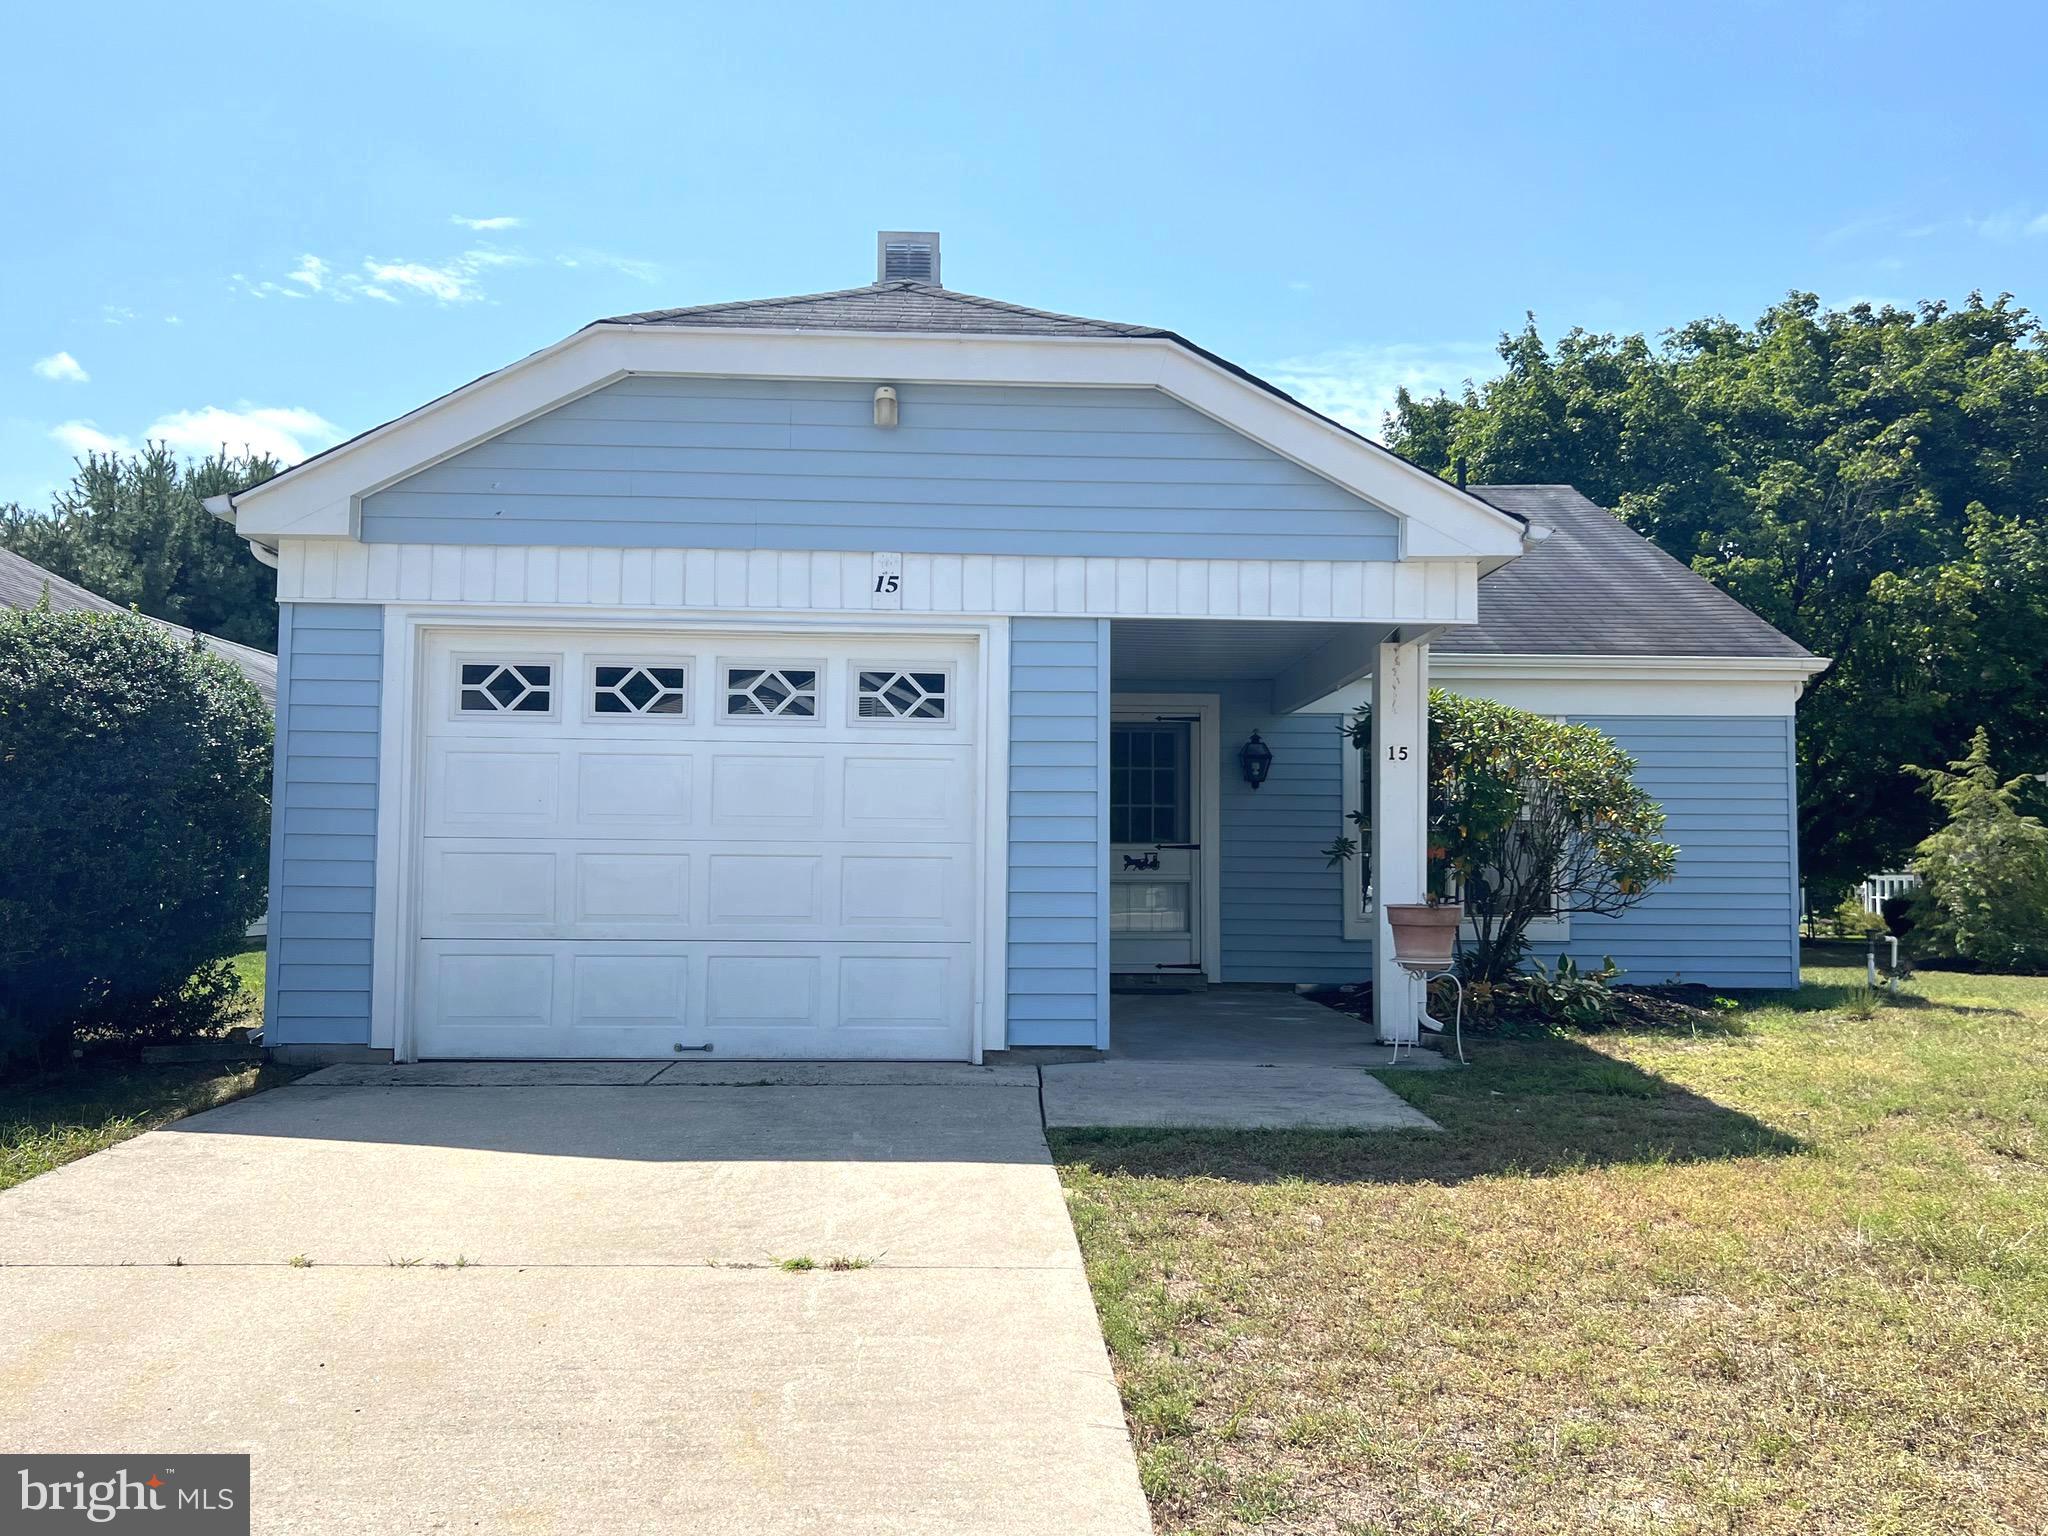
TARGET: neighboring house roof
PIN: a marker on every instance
(23, 583)
(1595, 587)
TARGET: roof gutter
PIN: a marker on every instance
(223, 507)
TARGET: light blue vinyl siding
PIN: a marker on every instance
(1730, 918)
(1726, 784)
(323, 837)
(1058, 962)
(973, 469)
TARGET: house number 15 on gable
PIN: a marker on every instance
(887, 590)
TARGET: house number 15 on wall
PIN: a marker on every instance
(887, 590)
(1397, 754)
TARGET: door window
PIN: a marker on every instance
(1148, 782)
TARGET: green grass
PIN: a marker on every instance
(108, 1097)
(249, 969)
(1790, 1276)
(90, 1106)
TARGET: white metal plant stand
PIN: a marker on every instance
(1426, 972)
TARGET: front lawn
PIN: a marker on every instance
(1788, 1278)
(109, 1096)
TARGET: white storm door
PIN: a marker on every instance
(1155, 858)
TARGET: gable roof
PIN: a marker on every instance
(1596, 587)
(891, 306)
(23, 583)
(893, 330)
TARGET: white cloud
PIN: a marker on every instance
(1356, 385)
(449, 284)
(114, 314)
(82, 437)
(2010, 224)
(453, 281)
(61, 367)
(286, 433)
(639, 271)
(501, 221)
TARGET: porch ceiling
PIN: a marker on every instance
(1213, 650)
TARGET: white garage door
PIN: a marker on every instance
(640, 846)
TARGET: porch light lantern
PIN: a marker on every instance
(1256, 759)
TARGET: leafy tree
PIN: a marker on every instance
(1873, 481)
(1528, 818)
(1984, 876)
(132, 528)
(134, 824)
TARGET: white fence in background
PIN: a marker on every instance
(1876, 890)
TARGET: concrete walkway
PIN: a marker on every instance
(1236, 1058)
(525, 1304)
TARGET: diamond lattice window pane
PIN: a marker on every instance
(901, 696)
(629, 690)
(497, 688)
(771, 692)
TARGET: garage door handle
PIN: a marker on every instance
(681, 1048)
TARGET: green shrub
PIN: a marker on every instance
(1983, 893)
(1570, 996)
(1853, 922)
(134, 827)
(1529, 818)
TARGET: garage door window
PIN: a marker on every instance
(771, 693)
(888, 693)
(506, 688)
(628, 688)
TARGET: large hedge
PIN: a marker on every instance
(134, 823)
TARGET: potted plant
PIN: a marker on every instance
(1426, 932)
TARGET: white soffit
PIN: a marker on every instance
(321, 496)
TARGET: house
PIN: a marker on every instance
(866, 673)
(24, 584)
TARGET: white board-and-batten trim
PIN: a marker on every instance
(830, 581)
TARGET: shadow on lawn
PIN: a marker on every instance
(1539, 1107)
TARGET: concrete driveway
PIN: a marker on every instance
(563, 1307)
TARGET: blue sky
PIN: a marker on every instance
(283, 224)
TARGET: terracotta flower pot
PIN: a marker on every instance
(1424, 936)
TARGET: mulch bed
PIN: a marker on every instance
(1684, 1008)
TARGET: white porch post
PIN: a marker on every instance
(1400, 842)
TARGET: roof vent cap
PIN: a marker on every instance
(907, 256)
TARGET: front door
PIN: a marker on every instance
(1155, 859)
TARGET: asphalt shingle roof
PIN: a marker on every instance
(23, 582)
(892, 306)
(1595, 587)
